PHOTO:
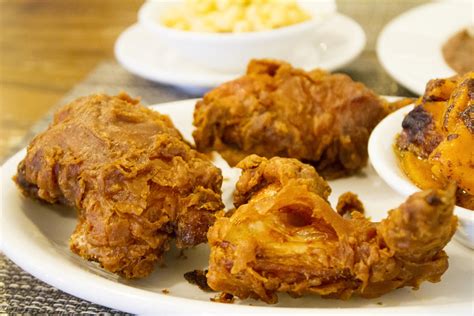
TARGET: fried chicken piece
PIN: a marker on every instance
(347, 203)
(276, 110)
(437, 135)
(133, 179)
(285, 237)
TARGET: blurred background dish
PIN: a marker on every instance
(335, 43)
(385, 162)
(410, 46)
(71, 43)
(211, 46)
(458, 50)
(242, 16)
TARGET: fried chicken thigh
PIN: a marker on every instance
(133, 179)
(276, 110)
(285, 237)
(437, 141)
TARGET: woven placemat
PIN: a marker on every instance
(22, 293)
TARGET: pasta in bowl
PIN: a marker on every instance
(233, 16)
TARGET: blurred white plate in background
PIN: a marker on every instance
(230, 52)
(409, 47)
(138, 51)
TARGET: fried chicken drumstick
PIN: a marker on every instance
(276, 110)
(134, 181)
(285, 237)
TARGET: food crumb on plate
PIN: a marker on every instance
(182, 255)
(198, 277)
(223, 298)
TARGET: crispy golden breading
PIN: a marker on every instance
(435, 146)
(285, 237)
(276, 110)
(347, 203)
(132, 177)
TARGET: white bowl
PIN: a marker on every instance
(231, 52)
(385, 163)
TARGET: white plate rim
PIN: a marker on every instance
(74, 283)
(354, 48)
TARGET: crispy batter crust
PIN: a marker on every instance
(276, 110)
(285, 237)
(131, 176)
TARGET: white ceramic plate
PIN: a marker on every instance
(340, 40)
(36, 236)
(385, 163)
(409, 47)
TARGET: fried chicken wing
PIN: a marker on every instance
(435, 146)
(276, 110)
(285, 237)
(133, 179)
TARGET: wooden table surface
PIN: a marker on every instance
(48, 46)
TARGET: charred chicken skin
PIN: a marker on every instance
(285, 237)
(133, 179)
(276, 110)
(436, 146)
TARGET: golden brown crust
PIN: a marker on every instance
(134, 180)
(287, 238)
(347, 203)
(276, 110)
(434, 145)
(261, 173)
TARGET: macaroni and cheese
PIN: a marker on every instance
(224, 16)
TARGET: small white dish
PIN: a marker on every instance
(231, 52)
(409, 47)
(35, 236)
(336, 43)
(384, 161)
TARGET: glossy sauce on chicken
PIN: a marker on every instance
(436, 146)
